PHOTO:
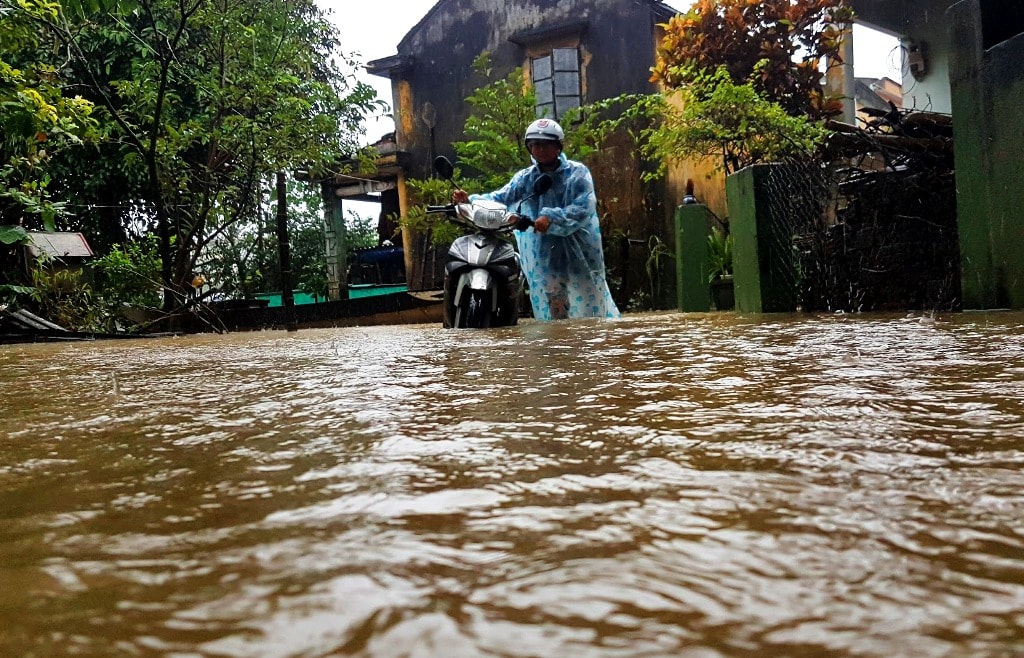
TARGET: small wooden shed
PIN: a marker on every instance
(70, 248)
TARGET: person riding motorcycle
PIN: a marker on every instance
(561, 253)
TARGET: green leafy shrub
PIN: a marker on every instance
(128, 277)
(431, 191)
(12, 290)
(659, 260)
(64, 297)
(719, 254)
(130, 273)
(732, 124)
(494, 148)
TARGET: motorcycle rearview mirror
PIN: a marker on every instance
(444, 168)
(542, 185)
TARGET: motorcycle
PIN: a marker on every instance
(483, 277)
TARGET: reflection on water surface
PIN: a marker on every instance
(662, 485)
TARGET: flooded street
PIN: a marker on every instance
(662, 485)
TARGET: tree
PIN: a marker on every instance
(204, 97)
(493, 151)
(39, 119)
(731, 124)
(128, 276)
(12, 240)
(501, 110)
(779, 46)
(748, 77)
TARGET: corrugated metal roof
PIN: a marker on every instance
(23, 320)
(59, 245)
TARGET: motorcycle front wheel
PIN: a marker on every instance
(475, 310)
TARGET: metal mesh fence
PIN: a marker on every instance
(871, 224)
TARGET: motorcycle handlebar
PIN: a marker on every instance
(522, 223)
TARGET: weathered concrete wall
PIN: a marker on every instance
(921, 24)
(707, 177)
(987, 78)
(616, 47)
(616, 40)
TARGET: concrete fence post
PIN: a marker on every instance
(692, 267)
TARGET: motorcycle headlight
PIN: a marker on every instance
(489, 214)
(491, 219)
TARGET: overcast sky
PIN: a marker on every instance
(373, 30)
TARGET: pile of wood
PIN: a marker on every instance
(898, 137)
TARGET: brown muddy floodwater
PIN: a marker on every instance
(662, 485)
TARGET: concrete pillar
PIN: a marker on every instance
(692, 227)
(764, 263)
(337, 261)
(840, 80)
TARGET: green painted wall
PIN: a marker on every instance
(987, 80)
(354, 292)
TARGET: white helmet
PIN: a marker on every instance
(545, 129)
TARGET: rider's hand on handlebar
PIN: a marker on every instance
(541, 224)
(522, 223)
(460, 196)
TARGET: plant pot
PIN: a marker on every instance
(722, 296)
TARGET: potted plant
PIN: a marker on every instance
(720, 269)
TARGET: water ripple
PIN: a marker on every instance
(661, 485)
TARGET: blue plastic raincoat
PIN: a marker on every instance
(564, 267)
